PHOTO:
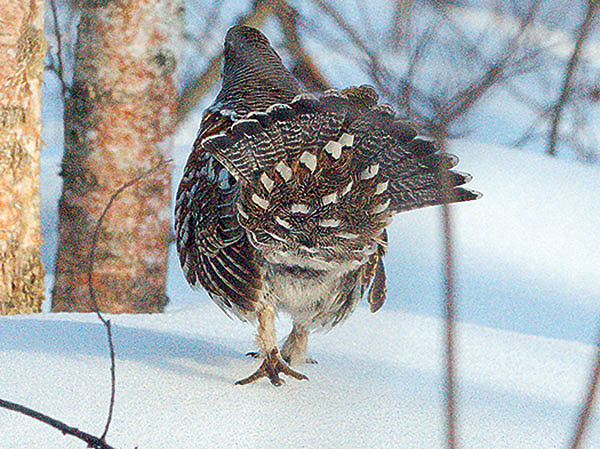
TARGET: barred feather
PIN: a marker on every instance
(284, 183)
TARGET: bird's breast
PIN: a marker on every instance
(307, 289)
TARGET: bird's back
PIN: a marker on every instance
(283, 184)
(321, 177)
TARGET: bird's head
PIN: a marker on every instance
(254, 76)
(242, 39)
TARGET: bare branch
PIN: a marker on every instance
(92, 293)
(508, 66)
(58, 68)
(584, 414)
(450, 318)
(401, 23)
(414, 65)
(376, 69)
(304, 68)
(91, 440)
(449, 308)
(565, 91)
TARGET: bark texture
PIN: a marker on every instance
(118, 119)
(22, 48)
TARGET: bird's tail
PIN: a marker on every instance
(340, 149)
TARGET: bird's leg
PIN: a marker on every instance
(294, 348)
(272, 364)
(266, 338)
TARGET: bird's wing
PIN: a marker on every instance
(346, 139)
(213, 248)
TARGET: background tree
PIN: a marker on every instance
(118, 118)
(22, 47)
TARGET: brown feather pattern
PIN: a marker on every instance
(283, 182)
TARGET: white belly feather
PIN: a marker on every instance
(308, 289)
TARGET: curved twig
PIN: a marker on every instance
(58, 68)
(92, 293)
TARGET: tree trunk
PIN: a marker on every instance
(118, 119)
(22, 48)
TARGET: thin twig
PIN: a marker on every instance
(449, 310)
(58, 68)
(450, 315)
(463, 101)
(91, 440)
(402, 23)
(414, 64)
(565, 90)
(375, 68)
(586, 409)
(92, 293)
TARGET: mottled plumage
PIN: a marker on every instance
(286, 195)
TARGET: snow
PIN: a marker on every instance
(377, 384)
(527, 256)
(528, 292)
(527, 251)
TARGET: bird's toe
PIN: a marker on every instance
(272, 366)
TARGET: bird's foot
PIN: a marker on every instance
(271, 367)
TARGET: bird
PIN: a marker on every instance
(286, 195)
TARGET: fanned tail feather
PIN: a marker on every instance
(416, 173)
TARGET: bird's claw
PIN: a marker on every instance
(271, 367)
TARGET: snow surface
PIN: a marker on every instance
(528, 263)
(377, 384)
(529, 301)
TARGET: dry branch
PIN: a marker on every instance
(91, 440)
(58, 67)
(450, 319)
(375, 67)
(92, 293)
(304, 68)
(586, 409)
(449, 310)
(400, 34)
(565, 91)
(508, 66)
